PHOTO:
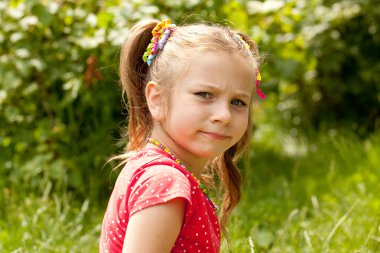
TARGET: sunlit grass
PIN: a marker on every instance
(300, 195)
(49, 224)
(321, 198)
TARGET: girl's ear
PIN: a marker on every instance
(154, 99)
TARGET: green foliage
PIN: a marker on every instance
(59, 113)
(346, 88)
(59, 64)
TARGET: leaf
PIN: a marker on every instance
(42, 13)
(104, 18)
(237, 15)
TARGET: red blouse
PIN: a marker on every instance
(152, 177)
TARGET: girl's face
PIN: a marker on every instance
(209, 106)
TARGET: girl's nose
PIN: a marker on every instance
(222, 114)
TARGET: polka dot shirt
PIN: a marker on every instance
(151, 177)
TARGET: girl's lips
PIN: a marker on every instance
(215, 135)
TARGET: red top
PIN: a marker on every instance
(152, 177)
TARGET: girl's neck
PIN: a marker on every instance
(192, 163)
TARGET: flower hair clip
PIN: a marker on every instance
(161, 33)
(258, 76)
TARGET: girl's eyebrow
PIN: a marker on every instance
(243, 94)
(215, 87)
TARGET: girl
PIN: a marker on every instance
(190, 90)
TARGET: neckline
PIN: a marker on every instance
(169, 154)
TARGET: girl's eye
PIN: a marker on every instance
(203, 94)
(238, 102)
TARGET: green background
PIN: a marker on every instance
(311, 174)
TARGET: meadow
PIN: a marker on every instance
(315, 194)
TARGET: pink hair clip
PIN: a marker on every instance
(258, 82)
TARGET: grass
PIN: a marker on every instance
(310, 196)
(300, 195)
(49, 224)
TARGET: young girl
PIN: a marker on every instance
(190, 90)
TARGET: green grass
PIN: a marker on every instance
(310, 196)
(300, 195)
(49, 224)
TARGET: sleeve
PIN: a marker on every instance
(156, 185)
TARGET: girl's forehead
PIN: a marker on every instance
(222, 63)
(219, 68)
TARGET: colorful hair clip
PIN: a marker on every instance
(161, 33)
(258, 76)
(258, 82)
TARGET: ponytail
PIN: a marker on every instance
(230, 176)
(133, 72)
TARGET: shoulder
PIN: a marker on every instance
(163, 171)
(157, 182)
(161, 178)
(157, 166)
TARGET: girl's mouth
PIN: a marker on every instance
(215, 135)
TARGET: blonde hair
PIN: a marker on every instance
(185, 41)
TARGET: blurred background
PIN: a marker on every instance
(311, 175)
